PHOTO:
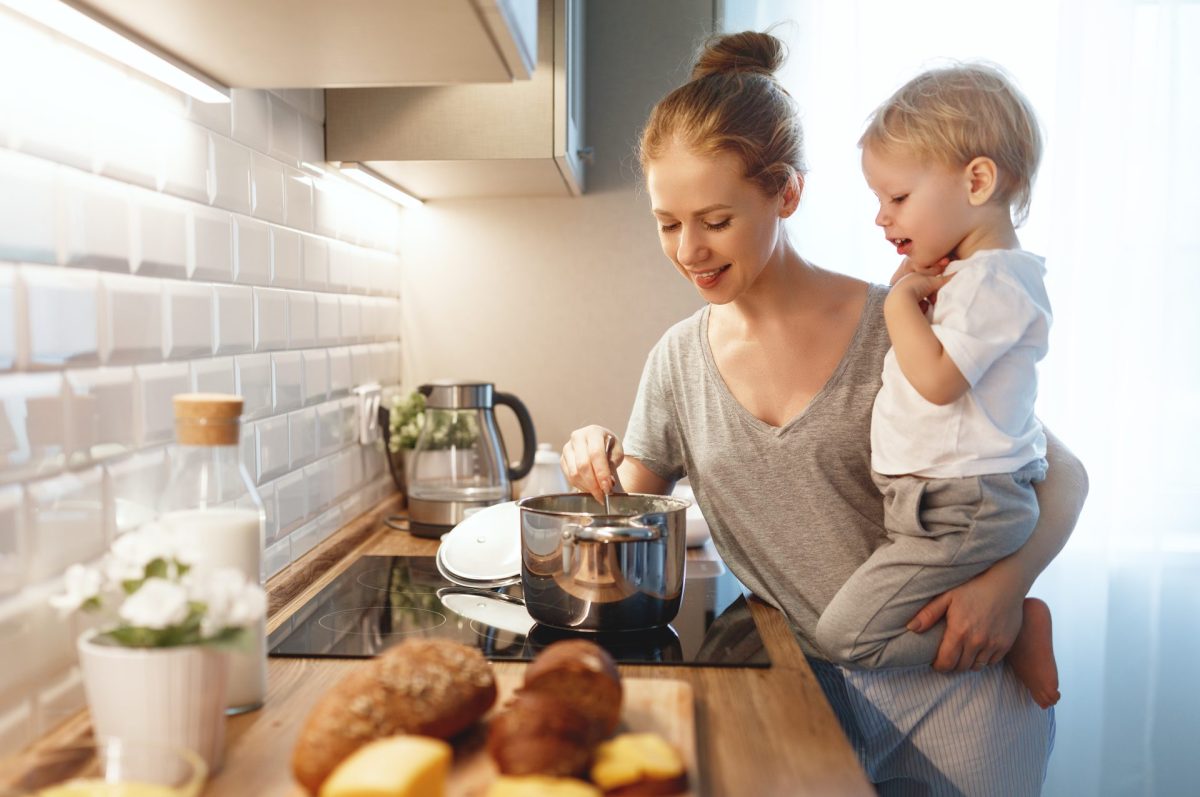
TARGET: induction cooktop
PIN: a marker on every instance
(382, 600)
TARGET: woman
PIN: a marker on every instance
(763, 399)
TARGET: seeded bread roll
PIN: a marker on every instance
(427, 687)
(583, 674)
(540, 734)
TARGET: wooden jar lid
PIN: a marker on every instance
(207, 419)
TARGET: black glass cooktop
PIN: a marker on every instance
(381, 600)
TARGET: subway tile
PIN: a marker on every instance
(270, 319)
(133, 319)
(32, 425)
(373, 463)
(185, 168)
(340, 374)
(318, 477)
(136, 484)
(351, 319)
(154, 387)
(360, 273)
(14, 547)
(213, 376)
(211, 257)
(233, 312)
(46, 296)
(305, 538)
(254, 384)
(248, 448)
(297, 200)
(316, 263)
(349, 420)
(362, 367)
(27, 206)
(328, 522)
(316, 375)
(133, 144)
(283, 134)
(291, 499)
(188, 323)
(379, 363)
(249, 117)
(272, 440)
(97, 225)
(228, 174)
(266, 188)
(277, 556)
(312, 137)
(394, 315)
(17, 727)
(329, 319)
(252, 248)
(329, 428)
(288, 379)
(303, 431)
(215, 116)
(8, 317)
(341, 266)
(100, 414)
(68, 522)
(302, 319)
(285, 258)
(391, 364)
(60, 698)
(344, 472)
(325, 205)
(266, 494)
(161, 236)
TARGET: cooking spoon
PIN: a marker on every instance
(616, 485)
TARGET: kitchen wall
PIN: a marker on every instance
(149, 246)
(560, 300)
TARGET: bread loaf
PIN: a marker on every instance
(540, 734)
(583, 674)
(428, 687)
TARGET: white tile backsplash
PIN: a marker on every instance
(252, 251)
(199, 249)
(46, 298)
(27, 208)
(188, 329)
(133, 318)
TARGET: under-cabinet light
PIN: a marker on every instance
(90, 32)
(380, 185)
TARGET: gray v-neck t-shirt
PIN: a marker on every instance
(792, 509)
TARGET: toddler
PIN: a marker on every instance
(955, 445)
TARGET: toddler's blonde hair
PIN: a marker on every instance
(954, 114)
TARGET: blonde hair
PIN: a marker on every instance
(955, 114)
(733, 103)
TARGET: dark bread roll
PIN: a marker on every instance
(584, 675)
(427, 687)
(540, 734)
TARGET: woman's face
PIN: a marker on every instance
(717, 227)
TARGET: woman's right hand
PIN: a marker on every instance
(585, 462)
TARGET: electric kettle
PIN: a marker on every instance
(459, 462)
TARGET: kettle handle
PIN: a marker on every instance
(528, 436)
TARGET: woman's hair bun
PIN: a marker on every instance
(749, 51)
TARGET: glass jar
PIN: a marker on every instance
(211, 503)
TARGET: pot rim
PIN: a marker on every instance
(681, 504)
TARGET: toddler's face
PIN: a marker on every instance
(923, 207)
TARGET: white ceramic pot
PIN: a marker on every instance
(171, 696)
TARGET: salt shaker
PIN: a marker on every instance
(211, 504)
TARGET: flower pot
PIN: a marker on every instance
(172, 696)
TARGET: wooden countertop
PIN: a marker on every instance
(759, 732)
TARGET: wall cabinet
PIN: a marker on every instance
(515, 139)
(324, 43)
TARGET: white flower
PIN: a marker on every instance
(81, 584)
(159, 603)
(230, 600)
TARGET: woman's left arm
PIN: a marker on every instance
(983, 615)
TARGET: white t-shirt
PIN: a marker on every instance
(993, 319)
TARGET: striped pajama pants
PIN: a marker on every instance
(921, 733)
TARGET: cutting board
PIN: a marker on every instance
(651, 705)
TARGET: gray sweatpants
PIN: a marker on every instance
(941, 533)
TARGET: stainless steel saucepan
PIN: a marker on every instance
(586, 569)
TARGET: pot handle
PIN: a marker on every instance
(575, 532)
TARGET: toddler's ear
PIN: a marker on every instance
(981, 179)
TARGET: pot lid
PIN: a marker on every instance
(486, 546)
(490, 609)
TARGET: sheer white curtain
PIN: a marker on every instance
(1116, 211)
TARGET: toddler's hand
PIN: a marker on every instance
(907, 266)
